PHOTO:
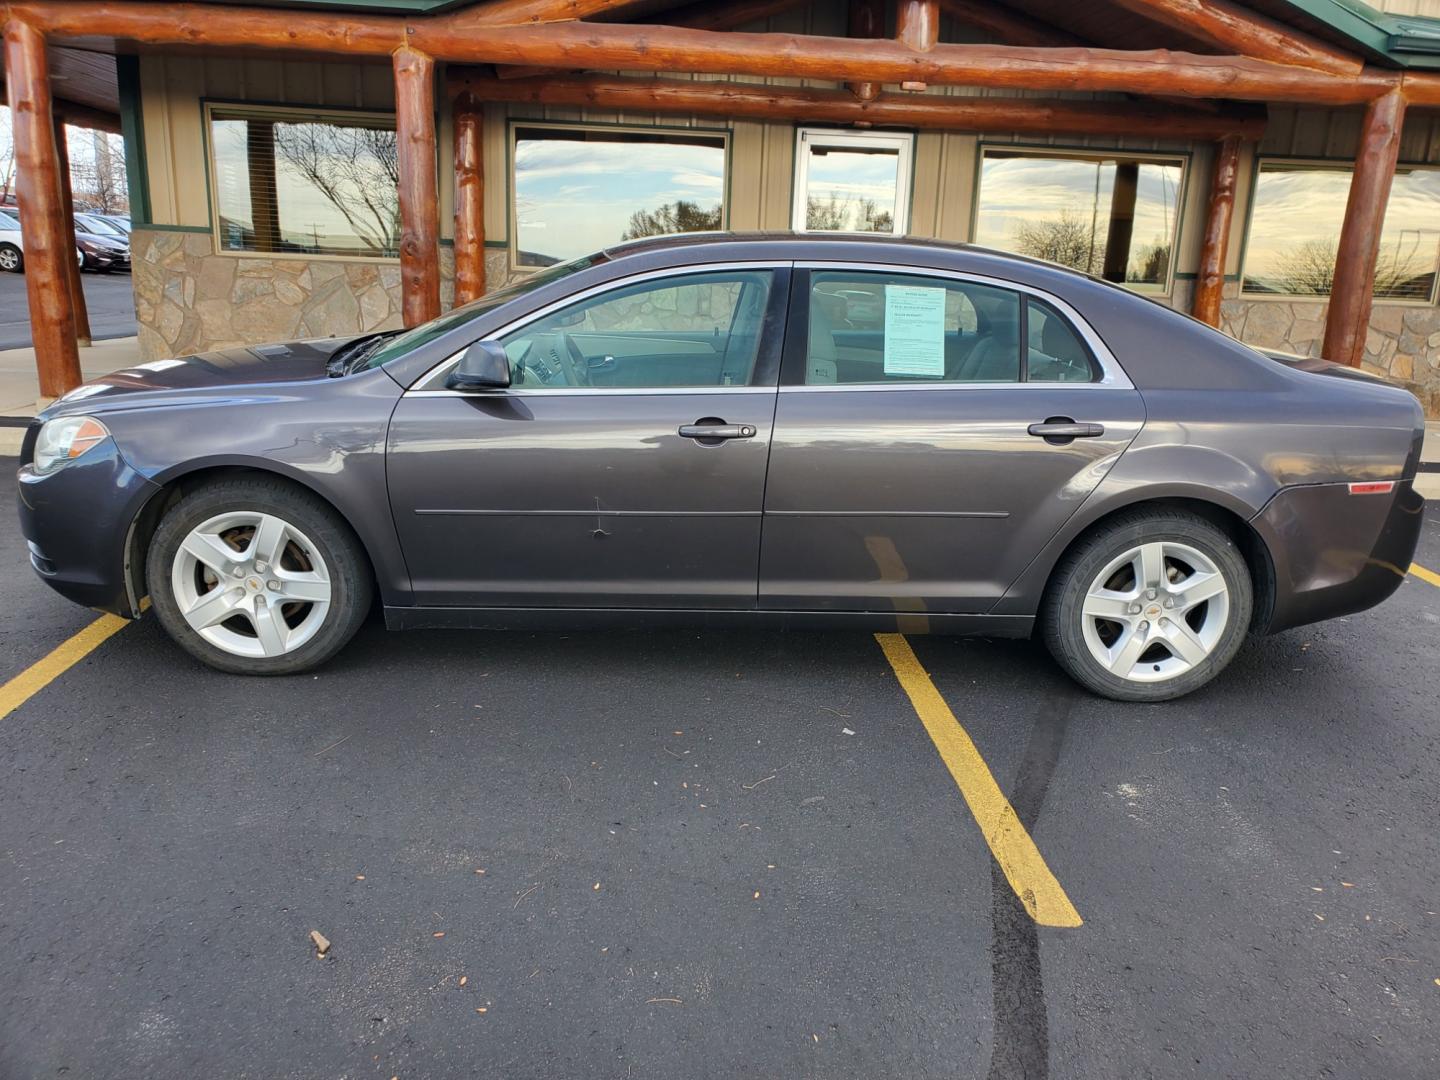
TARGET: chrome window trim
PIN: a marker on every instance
(440, 370)
(1112, 375)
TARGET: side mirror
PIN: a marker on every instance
(483, 367)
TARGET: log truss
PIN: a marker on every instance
(539, 51)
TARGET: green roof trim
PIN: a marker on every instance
(1407, 41)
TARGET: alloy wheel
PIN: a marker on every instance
(9, 259)
(1155, 611)
(251, 584)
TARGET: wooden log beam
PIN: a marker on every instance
(49, 243)
(1007, 24)
(701, 16)
(797, 103)
(72, 266)
(1233, 28)
(469, 201)
(866, 20)
(1352, 293)
(530, 12)
(419, 212)
(1422, 89)
(1210, 279)
(668, 48)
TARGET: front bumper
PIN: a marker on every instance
(76, 524)
(1334, 553)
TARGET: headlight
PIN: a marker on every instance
(64, 439)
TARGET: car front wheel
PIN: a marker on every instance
(257, 577)
(11, 261)
(1151, 606)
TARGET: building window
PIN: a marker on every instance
(304, 182)
(851, 182)
(1295, 220)
(577, 190)
(1112, 216)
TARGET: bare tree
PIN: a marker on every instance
(680, 216)
(7, 156)
(837, 212)
(356, 169)
(97, 173)
(1068, 239)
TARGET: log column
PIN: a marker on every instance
(1353, 292)
(48, 242)
(867, 20)
(469, 201)
(419, 211)
(917, 26)
(1122, 221)
(1210, 279)
(72, 267)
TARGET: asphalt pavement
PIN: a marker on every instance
(712, 855)
(109, 300)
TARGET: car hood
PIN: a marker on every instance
(226, 373)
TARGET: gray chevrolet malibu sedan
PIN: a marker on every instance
(728, 429)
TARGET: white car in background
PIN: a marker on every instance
(12, 248)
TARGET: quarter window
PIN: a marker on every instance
(851, 182)
(1295, 220)
(580, 190)
(305, 183)
(1112, 216)
(686, 331)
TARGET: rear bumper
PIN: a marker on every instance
(1334, 553)
(76, 522)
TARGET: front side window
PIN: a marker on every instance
(583, 189)
(305, 183)
(851, 182)
(1115, 217)
(690, 330)
(1295, 220)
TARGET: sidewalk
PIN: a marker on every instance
(20, 388)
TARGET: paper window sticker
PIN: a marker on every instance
(915, 331)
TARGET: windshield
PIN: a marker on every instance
(426, 332)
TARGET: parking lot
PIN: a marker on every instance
(705, 854)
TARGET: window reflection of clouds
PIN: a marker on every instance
(1019, 192)
(575, 191)
(842, 174)
(1295, 225)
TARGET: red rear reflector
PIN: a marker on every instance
(1374, 487)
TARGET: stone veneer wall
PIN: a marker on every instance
(190, 299)
(1403, 343)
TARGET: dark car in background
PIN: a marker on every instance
(816, 431)
(104, 245)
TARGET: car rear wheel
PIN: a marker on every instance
(257, 577)
(11, 261)
(1150, 607)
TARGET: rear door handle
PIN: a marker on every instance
(716, 431)
(1058, 430)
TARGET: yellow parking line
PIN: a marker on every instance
(1009, 841)
(46, 670)
(1425, 575)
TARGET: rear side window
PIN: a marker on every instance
(1054, 351)
(878, 328)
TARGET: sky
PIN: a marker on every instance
(1295, 205)
(573, 198)
(1019, 189)
(849, 175)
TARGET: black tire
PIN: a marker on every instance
(10, 251)
(1062, 623)
(352, 587)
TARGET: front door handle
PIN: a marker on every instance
(1061, 429)
(706, 432)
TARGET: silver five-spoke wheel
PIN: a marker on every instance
(251, 583)
(1155, 611)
